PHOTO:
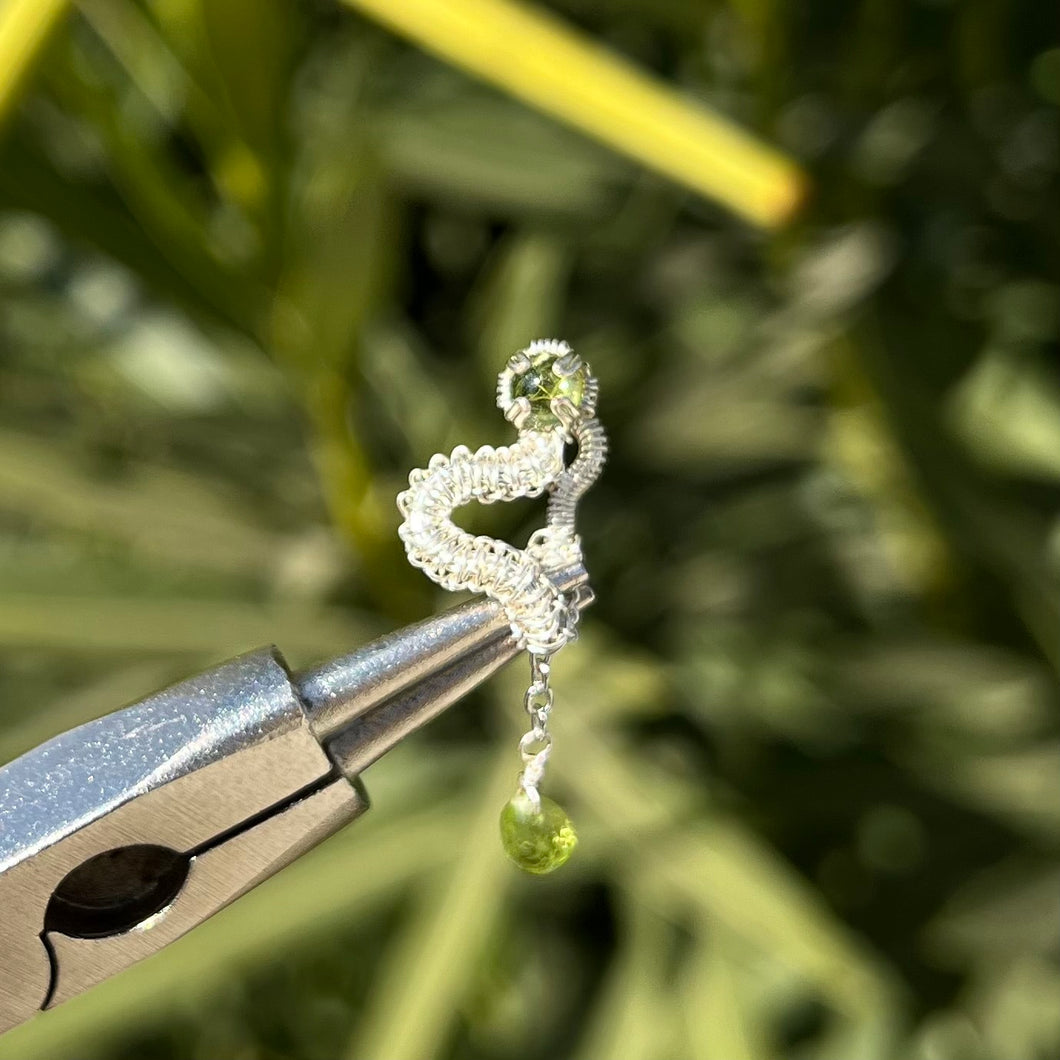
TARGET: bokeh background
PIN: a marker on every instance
(258, 259)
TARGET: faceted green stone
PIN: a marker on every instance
(538, 841)
(539, 384)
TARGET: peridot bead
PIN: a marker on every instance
(540, 383)
(537, 840)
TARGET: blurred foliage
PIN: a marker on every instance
(258, 259)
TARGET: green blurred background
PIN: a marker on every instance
(258, 259)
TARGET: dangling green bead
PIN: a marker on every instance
(537, 840)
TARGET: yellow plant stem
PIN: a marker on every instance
(555, 69)
(24, 28)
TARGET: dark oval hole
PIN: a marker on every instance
(116, 890)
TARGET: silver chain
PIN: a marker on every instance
(536, 743)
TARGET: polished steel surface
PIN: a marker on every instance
(177, 770)
(217, 877)
(369, 735)
(121, 835)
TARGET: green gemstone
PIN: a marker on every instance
(538, 841)
(540, 383)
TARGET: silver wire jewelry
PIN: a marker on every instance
(549, 394)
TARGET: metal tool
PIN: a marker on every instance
(119, 836)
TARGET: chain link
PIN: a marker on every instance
(535, 747)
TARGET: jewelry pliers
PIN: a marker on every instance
(121, 835)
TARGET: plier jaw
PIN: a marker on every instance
(119, 836)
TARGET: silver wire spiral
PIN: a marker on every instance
(541, 617)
